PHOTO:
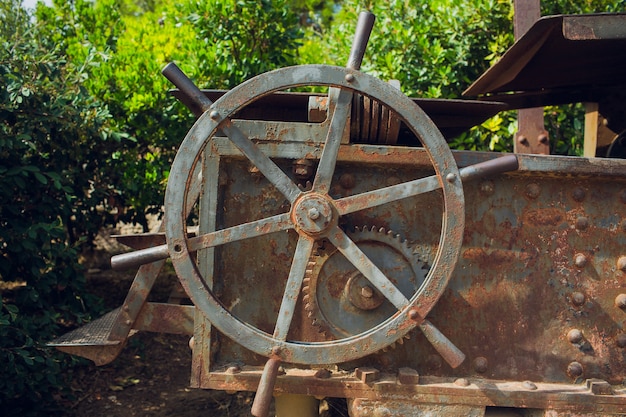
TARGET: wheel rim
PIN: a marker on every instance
(217, 117)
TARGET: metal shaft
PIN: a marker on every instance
(177, 77)
(361, 37)
(263, 397)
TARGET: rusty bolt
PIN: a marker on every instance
(461, 382)
(582, 223)
(522, 140)
(578, 298)
(487, 187)
(349, 78)
(367, 291)
(323, 373)
(214, 115)
(620, 301)
(276, 351)
(580, 260)
(543, 139)
(451, 177)
(529, 385)
(533, 190)
(575, 336)
(434, 361)
(578, 194)
(192, 343)
(574, 369)
(231, 370)
(314, 213)
(303, 169)
(126, 308)
(621, 263)
(481, 364)
(414, 314)
(128, 322)
(347, 181)
(620, 339)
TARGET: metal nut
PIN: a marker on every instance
(575, 336)
(529, 385)
(347, 181)
(578, 299)
(578, 194)
(580, 260)
(481, 364)
(574, 369)
(461, 382)
(533, 190)
(522, 140)
(582, 223)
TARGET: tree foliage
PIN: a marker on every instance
(53, 181)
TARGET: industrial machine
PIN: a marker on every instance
(331, 245)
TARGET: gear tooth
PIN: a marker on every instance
(316, 275)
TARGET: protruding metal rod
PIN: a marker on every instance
(263, 396)
(177, 77)
(361, 37)
(498, 165)
(448, 351)
(139, 257)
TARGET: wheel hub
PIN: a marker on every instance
(313, 214)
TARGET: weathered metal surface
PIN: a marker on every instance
(515, 295)
(570, 399)
(563, 59)
(166, 318)
(452, 117)
(211, 121)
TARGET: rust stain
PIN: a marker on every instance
(543, 217)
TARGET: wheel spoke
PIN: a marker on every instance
(352, 252)
(326, 167)
(267, 167)
(249, 230)
(294, 284)
(386, 195)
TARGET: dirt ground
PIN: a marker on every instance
(151, 376)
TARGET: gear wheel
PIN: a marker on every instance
(340, 301)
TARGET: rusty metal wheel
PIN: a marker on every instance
(314, 215)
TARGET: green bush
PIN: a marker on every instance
(54, 191)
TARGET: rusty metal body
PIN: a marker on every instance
(540, 259)
(382, 267)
